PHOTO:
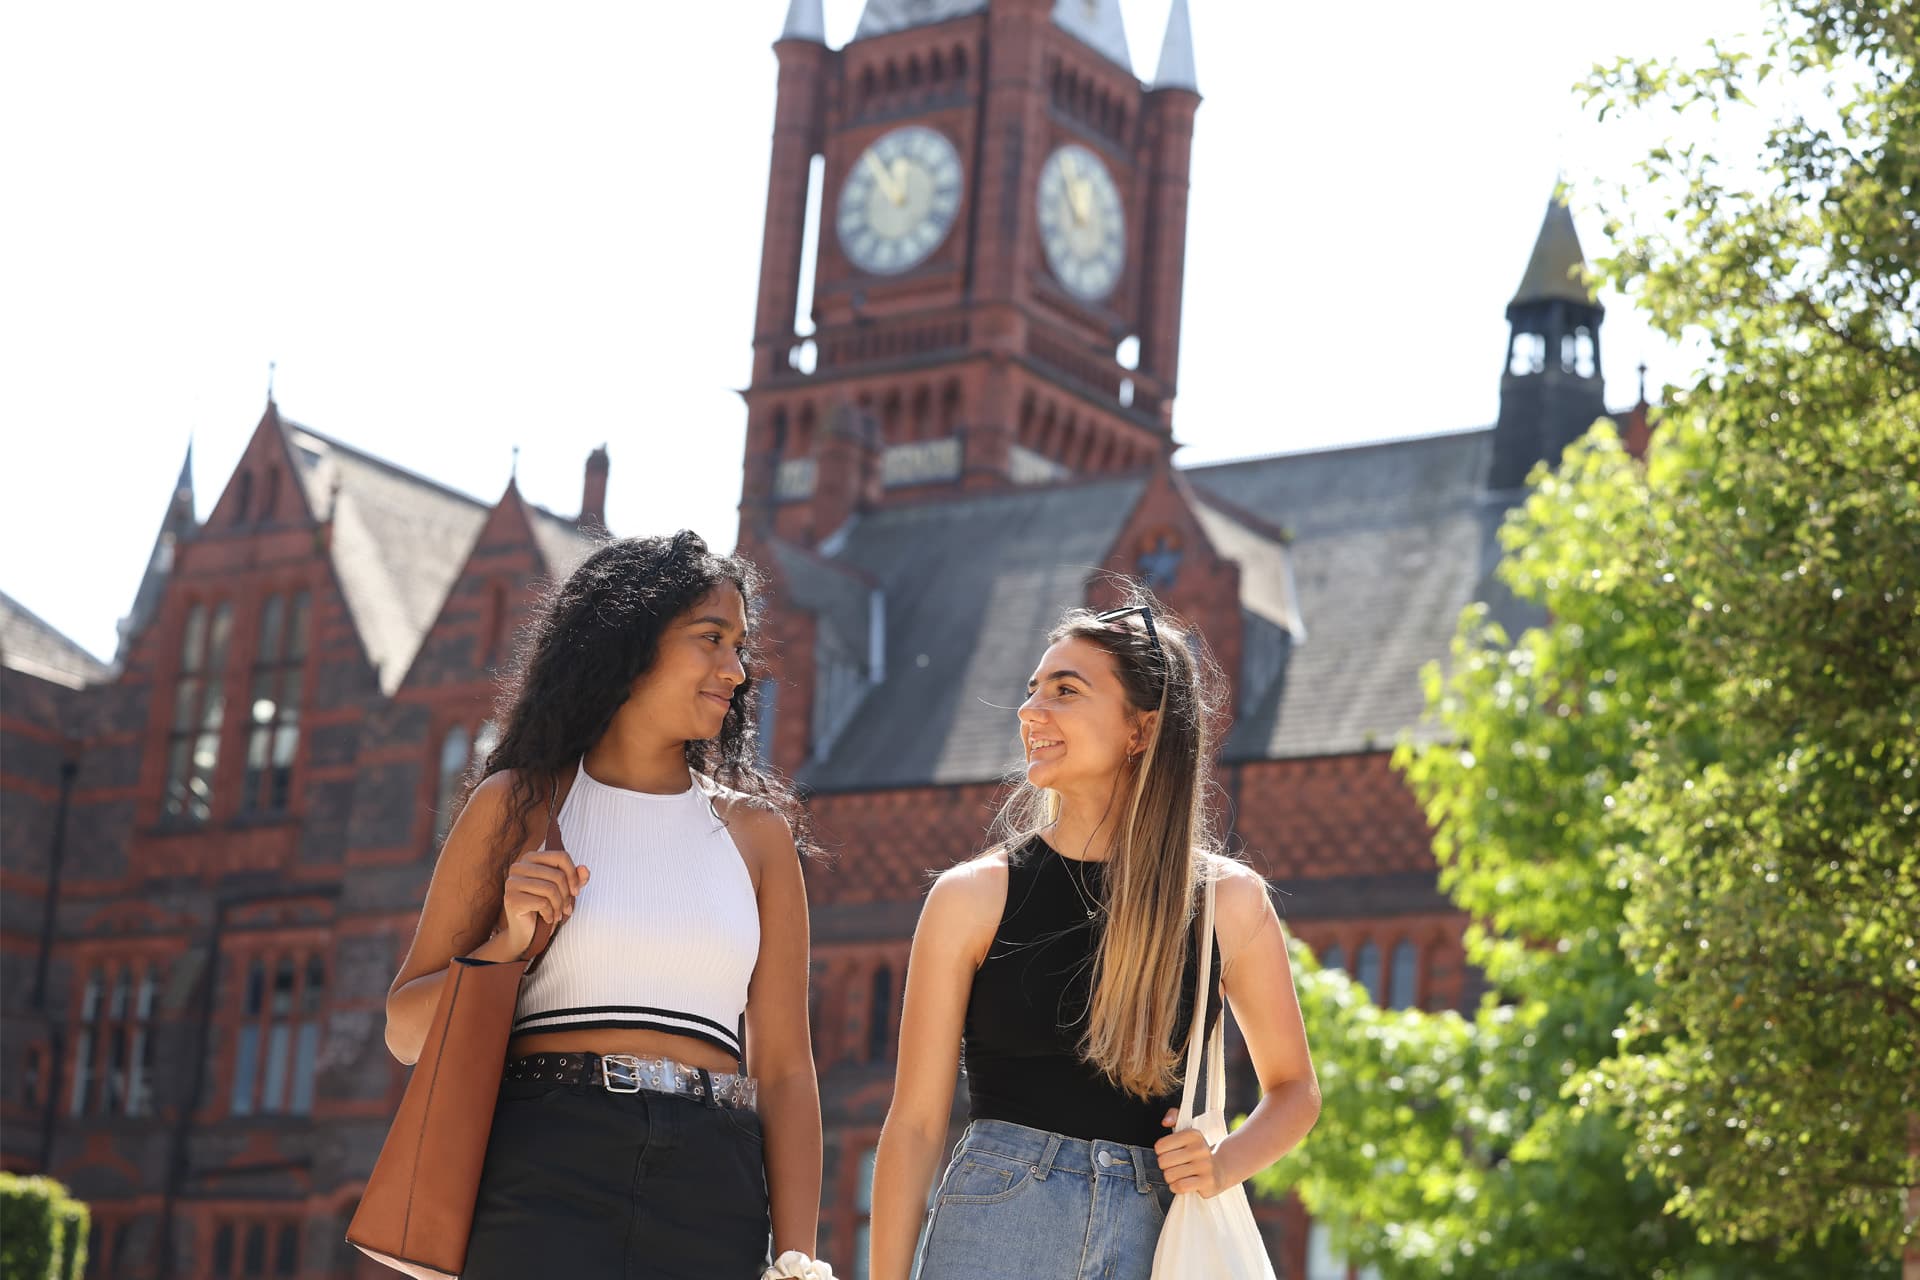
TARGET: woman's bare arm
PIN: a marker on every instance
(779, 1039)
(1259, 986)
(956, 928)
(464, 903)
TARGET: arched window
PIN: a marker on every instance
(246, 1057)
(199, 706)
(1404, 981)
(455, 754)
(1528, 354)
(485, 741)
(113, 1094)
(273, 1094)
(1367, 969)
(223, 1250)
(140, 1060)
(254, 1259)
(306, 1053)
(880, 1015)
(83, 1045)
(1334, 957)
(243, 497)
(273, 738)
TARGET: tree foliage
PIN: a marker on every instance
(1768, 843)
(1683, 811)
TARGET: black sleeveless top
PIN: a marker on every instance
(1029, 1009)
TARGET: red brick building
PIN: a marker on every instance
(215, 847)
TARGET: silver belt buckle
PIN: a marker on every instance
(626, 1060)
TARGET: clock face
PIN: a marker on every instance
(1082, 226)
(899, 200)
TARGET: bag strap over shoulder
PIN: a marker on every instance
(542, 931)
(1197, 1035)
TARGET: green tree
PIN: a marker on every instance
(1768, 837)
(1683, 812)
(43, 1230)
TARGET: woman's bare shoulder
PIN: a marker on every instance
(969, 897)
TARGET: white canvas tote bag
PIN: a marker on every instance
(1209, 1239)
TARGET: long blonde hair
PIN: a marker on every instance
(1160, 853)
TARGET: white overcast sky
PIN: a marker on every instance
(462, 227)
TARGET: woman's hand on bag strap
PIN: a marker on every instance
(1186, 1159)
(541, 886)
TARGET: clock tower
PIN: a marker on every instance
(996, 287)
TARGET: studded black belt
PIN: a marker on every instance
(624, 1073)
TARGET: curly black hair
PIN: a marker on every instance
(590, 639)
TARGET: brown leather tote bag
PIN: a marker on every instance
(417, 1210)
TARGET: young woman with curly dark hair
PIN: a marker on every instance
(660, 1114)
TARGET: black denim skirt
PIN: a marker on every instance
(583, 1183)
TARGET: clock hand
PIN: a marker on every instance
(1079, 191)
(883, 176)
(900, 170)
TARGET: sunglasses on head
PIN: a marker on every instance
(1146, 615)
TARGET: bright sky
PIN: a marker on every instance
(458, 229)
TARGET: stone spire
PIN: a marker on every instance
(1557, 269)
(806, 20)
(176, 526)
(1176, 52)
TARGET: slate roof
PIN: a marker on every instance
(1353, 575)
(972, 588)
(34, 646)
(839, 595)
(400, 540)
(1389, 542)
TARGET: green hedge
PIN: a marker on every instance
(43, 1230)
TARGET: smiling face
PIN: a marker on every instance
(1076, 725)
(690, 686)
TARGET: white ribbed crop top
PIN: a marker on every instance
(664, 936)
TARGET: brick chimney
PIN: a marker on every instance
(593, 495)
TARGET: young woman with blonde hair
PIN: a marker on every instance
(1063, 960)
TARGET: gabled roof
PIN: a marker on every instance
(972, 588)
(561, 543)
(1355, 564)
(1389, 542)
(32, 645)
(399, 540)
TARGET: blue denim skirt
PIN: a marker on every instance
(1022, 1204)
